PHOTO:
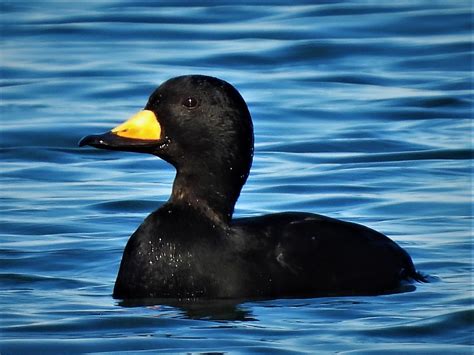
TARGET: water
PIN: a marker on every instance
(362, 111)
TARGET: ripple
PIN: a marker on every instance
(437, 154)
(454, 327)
(128, 205)
(361, 111)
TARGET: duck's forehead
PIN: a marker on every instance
(171, 89)
(193, 83)
(155, 95)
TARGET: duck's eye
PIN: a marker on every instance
(190, 102)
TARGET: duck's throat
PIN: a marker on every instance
(213, 195)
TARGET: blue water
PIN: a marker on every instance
(362, 111)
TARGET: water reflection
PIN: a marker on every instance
(236, 309)
(210, 309)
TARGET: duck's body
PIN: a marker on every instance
(284, 254)
(191, 247)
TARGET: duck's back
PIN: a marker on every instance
(309, 254)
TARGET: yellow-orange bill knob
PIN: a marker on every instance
(143, 125)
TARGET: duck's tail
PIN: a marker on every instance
(409, 272)
(412, 275)
(419, 277)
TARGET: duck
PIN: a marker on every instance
(192, 248)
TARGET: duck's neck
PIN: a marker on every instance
(211, 194)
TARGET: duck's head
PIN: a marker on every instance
(199, 124)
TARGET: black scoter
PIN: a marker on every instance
(191, 247)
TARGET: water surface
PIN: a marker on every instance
(362, 111)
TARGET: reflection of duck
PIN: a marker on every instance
(191, 247)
